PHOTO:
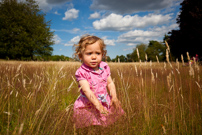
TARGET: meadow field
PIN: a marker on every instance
(158, 98)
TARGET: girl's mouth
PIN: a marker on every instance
(93, 63)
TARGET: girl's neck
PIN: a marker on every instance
(96, 69)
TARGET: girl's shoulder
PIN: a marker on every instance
(82, 74)
(103, 65)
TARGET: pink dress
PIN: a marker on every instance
(85, 113)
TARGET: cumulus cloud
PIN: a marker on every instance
(141, 36)
(94, 15)
(116, 22)
(131, 6)
(74, 31)
(76, 39)
(57, 1)
(128, 49)
(56, 39)
(73, 41)
(56, 12)
(110, 42)
(71, 14)
(47, 5)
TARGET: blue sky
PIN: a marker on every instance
(121, 23)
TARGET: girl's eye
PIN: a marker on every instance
(98, 53)
(89, 53)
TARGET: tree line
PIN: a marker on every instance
(152, 52)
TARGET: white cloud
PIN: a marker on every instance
(94, 15)
(71, 14)
(56, 12)
(108, 41)
(140, 36)
(56, 39)
(131, 44)
(131, 6)
(47, 5)
(44, 5)
(117, 22)
(128, 49)
(74, 31)
(73, 41)
(76, 39)
(57, 1)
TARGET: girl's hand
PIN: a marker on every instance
(102, 110)
(116, 103)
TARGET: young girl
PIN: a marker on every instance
(94, 106)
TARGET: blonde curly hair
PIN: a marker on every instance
(88, 40)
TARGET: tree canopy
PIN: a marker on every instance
(189, 36)
(24, 31)
(153, 49)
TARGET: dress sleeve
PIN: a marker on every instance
(80, 75)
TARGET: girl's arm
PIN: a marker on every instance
(111, 87)
(112, 90)
(91, 96)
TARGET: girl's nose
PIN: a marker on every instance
(93, 56)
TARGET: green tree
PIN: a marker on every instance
(189, 36)
(23, 30)
(108, 59)
(129, 58)
(122, 58)
(154, 49)
(133, 56)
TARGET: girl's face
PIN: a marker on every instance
(92, 56)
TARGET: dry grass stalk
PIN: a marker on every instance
(167, 56)
(167, 46)
(138, 55)
(191, 71)
(37, 112)
(145, 56)
(142, 82)
(16, 95)
(152, 75)
(177, 63)
(169, 80)
(198, 85)
(182, 60)
(188, 57)
(164, 65)
(157, 58)
(21, 128)
(150, 63)
(164, 130)
(136, 70)
(194, 62)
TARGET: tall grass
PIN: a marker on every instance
(158, 98)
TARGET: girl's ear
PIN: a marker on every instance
(80, 57)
